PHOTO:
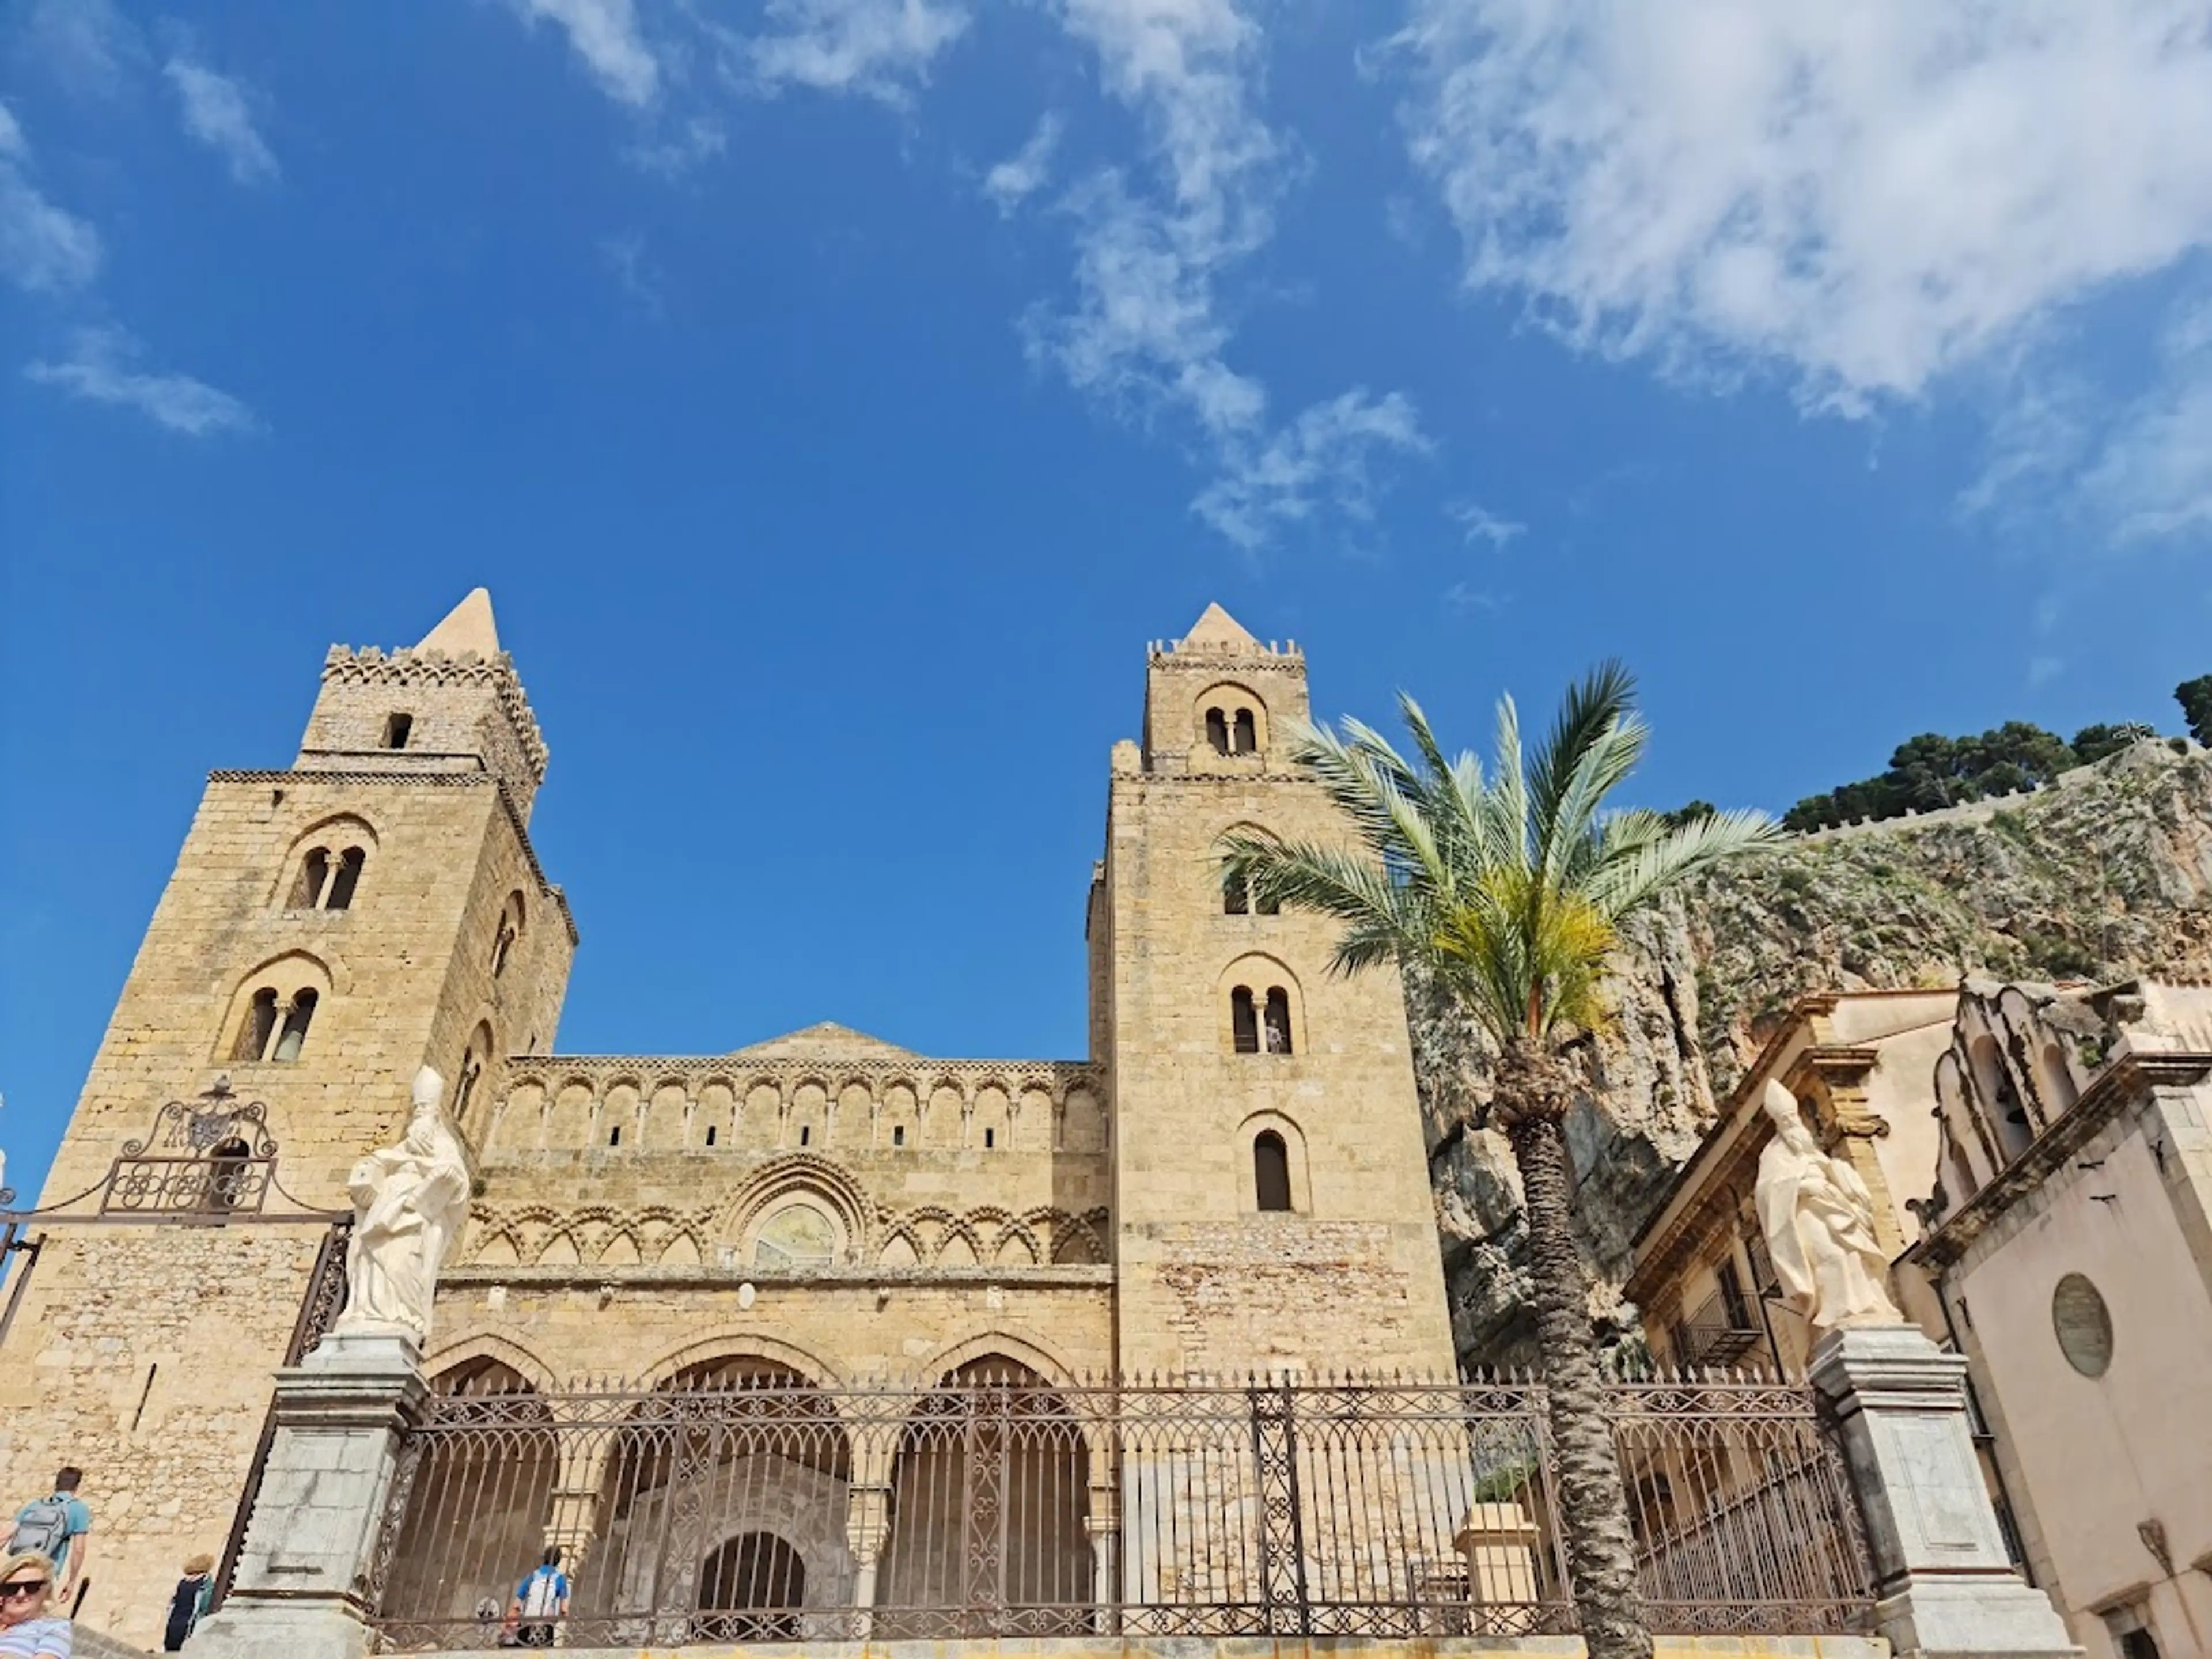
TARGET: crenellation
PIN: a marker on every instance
(823, 1204)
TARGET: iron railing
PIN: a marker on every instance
(747, 1504)
(1720, 1331)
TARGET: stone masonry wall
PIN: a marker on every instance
(1350, 1275)
(153, 1351)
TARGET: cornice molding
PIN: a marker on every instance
(2118, 1087)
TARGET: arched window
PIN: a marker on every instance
(226, 1173)
(744, 1577)
(254, 1036)
(1271, 1172)
(1276, 1022)
(473, 1061)
(1216, 730)
(325, 883)
(314, 871)
(1243, 1021)
(1234, 900)
(510, 929)
(293, 1035)
(1247, 733)
(340, 897)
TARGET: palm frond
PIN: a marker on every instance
(1640, 867)
(1508, 886)
(1602, 699)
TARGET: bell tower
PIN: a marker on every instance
(1271, 1201)
(330, 927)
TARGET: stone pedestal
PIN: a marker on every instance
(1498, 1542)
(1944, 1583)
(301, 1587)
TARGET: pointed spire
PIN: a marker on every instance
(467, 627)
(1218, 628)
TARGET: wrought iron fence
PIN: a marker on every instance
(747, 1504)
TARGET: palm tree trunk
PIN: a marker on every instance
(1533, 1091)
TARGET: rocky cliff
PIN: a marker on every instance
(2104, 874)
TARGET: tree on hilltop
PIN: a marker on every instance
(2195, 697)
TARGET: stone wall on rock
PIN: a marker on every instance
(2105, 875)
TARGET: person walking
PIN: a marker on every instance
(188, 1603)
(28, 1628)
(60, 1527)
(540, 1601)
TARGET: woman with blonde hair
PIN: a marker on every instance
(188, 1604)
(29, 1629)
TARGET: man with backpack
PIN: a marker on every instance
(540, 1601)
(58, 1528)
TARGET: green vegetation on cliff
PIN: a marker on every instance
(1930, 772)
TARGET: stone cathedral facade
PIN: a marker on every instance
(1232, 1179)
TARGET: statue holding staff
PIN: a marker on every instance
(410, 1202)
(1818, 1219)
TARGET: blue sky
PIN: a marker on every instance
(836, 395)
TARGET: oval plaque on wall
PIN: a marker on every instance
(2084, 1325)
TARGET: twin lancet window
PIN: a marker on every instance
(274, 1031)
(326, 883)
(1260, 1025)
(1235, 902)
(1232, 735)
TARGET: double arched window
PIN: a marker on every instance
(327, 881)
(1261, 1024)
(276, 1026)
(1232, 732)
(1235, 901)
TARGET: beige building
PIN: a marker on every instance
(2042, 1172)
(1232, 1180)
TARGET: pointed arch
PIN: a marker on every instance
(487, 1345)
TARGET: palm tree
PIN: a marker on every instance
(1509, 891)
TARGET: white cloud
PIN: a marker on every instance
(86, 47)
(699, 139)
(1324, 458)
(1469, 600)
(2151, 479)
(43, 249)
(1860, 197)
(605, 35)
(2110, 463)
(1480, 524)
(1024, 172)
(875, 47)
(1146, 330)
(215, 112)
(635, 270)
(98, 369)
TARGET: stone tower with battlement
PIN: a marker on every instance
(1272, 1207)
(1232, 1180)
(329, 928)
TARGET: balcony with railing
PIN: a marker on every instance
(1719, 1331)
